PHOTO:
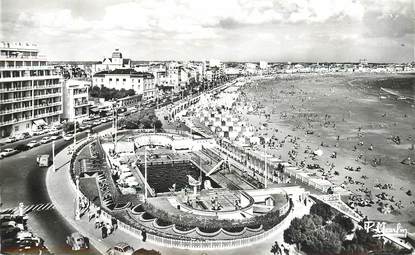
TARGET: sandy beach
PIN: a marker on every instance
(344, 117)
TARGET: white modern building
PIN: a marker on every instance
(142, 83)
(115, 62)
(30, 90)
(75, 99)
(263, 64)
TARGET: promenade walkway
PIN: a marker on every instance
(62, 193)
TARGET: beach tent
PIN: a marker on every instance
(318, 152)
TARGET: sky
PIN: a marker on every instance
(228, 30)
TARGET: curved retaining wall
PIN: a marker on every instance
(184, 244)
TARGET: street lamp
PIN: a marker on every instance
(77, 200)
(145, 173)
(115, 123)
(53, 156)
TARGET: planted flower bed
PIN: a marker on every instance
(121, 206)
(147, 216)
(234, 229)
(163, 223)
(184, 228)
(137, 209)
(209, 230)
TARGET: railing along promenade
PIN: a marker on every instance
(160, 238)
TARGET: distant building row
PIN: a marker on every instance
(146, 79)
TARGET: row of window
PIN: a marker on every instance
(21, 63)
(118, 79)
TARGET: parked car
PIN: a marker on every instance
(33, 144)
(39, 132)
(8, 152)
(77, 242)
(121, 249)
(53, 132)
(27, 246)
(10, 139)
(22, 136)
(54, 137)
(143, 251)
(9, 232)
(11, 224)
(8, 224)
(22, 147)
(6, 217)
(24, 235)
(45, 139)
(67, 137)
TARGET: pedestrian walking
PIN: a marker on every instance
(144, 235)
(114, 223)
(104, 232)
(91, 214)
(97, 221)
(109, 229)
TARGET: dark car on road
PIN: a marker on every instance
(22, 147)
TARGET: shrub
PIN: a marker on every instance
(323, 210)
(345, 222)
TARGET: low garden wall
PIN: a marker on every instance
(264, 225)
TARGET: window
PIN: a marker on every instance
(117, 79)
(110, 79)
(16, 128)
(123, 80)
(27, 125)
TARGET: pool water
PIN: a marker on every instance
(161, 177)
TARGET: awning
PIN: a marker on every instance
(94, 110)
(39, 122)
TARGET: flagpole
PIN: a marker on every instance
(266, 170)
(145, 173)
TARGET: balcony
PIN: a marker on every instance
(14, 121)
(40, 57)
(48, 95)
(81, 103)
(48, 105)
(15, 68)
(29, 78)
(15, 89)
(16, 99)
(21, 109)
(50, 86)
(48, 114)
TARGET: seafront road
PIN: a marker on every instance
(22, 180)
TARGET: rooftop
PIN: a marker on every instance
(130, 72)
(19, 46)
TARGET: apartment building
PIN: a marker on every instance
(30, 90)
(75, 99)
(142, 83)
